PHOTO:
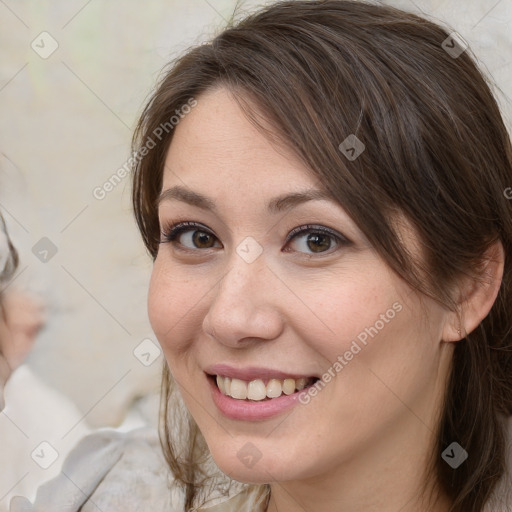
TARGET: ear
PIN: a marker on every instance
(476, 295)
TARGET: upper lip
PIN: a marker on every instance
(252, 373)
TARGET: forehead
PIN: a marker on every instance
(216, 143)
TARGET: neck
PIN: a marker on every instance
(284, 502)
(390, 475)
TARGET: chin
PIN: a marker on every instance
(258, 474)
(248, 465)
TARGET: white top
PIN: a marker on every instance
(115, 471)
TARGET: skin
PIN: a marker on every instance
(363, 442)
(21, 318)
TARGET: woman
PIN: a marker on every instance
(321, 188)
(21, 314)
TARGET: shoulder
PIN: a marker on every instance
(109, 470)
(112, 470)
(248, 498)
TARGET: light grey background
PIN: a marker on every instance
(65, 128)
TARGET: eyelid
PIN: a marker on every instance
(171, 231)
(174, 229)
(317, 229)
(178, 226)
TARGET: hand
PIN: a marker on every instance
(21, 318)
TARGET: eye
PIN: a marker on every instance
(308, 239)
(190, 235)
(315, 239)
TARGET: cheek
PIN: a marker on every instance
(349, 311)
(374, 330)
(384, 357)
(174, 308)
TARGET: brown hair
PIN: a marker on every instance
(437, 151)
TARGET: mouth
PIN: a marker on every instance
(260, 390)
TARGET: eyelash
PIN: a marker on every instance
(173, 231)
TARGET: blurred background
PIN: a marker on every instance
(74, 76)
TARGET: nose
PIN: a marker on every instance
(245, 306)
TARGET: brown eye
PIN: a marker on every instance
(312, 239)
(202, 240)
(318, 243)
(190, 236)
(312, 242)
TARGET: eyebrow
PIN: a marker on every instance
(277, 204)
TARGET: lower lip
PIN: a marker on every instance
(251, 411)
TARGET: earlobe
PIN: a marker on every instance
(454, 328)
(477, 295)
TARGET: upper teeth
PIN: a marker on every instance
(257, 390)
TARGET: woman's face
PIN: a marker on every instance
(270, 286)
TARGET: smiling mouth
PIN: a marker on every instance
(260, 390)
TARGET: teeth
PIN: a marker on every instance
(288, 386)
(256, 390)
(238, 389)
(220, 384)
(274, 388)
(300, 384)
